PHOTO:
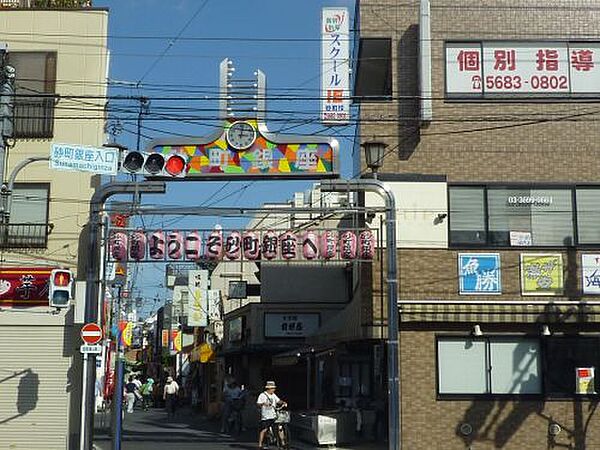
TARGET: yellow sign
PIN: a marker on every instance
(120, 270)
(206, 353)
(177, 335)
(128, 334)
(542, 274)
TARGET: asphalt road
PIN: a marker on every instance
(187, 431)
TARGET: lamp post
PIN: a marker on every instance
(374, 154)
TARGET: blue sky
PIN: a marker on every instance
(280, 37)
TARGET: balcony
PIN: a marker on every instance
(45, 4)
(34, 117)
(24, 235)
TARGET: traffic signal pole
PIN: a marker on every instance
(97, 202)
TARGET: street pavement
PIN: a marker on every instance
(150, 430)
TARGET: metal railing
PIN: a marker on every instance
(45, 4)
(34, 117)
(24, 235)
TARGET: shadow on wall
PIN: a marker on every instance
(27, 393)
(409, 128)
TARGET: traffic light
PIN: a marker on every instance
(173, 165)
(59, 292)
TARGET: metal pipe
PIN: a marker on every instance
(500, 303)
(220, 211)
(92, 286)
(394, 401)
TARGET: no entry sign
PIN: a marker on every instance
(91, 333)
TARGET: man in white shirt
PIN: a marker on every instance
(267, 401)
(170, 396)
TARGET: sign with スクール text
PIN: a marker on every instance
(590, 273)
(527, 68)
(335, 66)
(479, 273)
(541, 274)
(82, 158)
(291, 324)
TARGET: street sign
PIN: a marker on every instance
(81, 158)
(85, 349)
(91, 333)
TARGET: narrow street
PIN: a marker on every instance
(151, 431)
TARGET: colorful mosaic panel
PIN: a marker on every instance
(262, 158)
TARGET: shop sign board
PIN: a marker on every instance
(541, 274)
(505, 69)
(590, 273)
(335, 66)
(291, 325)
(24, 286)
(236, 329)
(479, 273)
(82, 158)
(197, 298)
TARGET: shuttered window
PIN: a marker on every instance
(588, 215)
(467, 215)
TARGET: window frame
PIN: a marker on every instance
(544, 395)
(35, 185)
(488, 356)
(390, 79)
(23, 130)
(573, 188)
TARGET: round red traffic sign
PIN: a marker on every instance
(91, 333)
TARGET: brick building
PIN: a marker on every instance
(497, 197)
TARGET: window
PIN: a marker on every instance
(502, 365)
(28, 226)
(35, 88)
(563, 355)
(374, 69)
(522, 216)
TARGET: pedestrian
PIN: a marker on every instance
(231, 393)
(267, 401)
(147, 389)
(130, 390)
(138, 391)
(170, 396)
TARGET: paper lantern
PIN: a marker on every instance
(193, 245)
(214, 245)
(329, 241)
(251, 244)
(366, 246)
(118, 246)
(310, 245)
(233, 245)
(269, 245)
(289, 245)
(156, 245)
(137, 245)
(348, 245)
(175, 245)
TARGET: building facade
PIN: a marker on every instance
(490, 126)
(60, 57)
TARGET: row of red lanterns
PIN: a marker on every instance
(176, 245)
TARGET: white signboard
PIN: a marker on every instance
(81, 158)
(590, 273)
(538, 69)
(291, 324)
(198, 298)
(335, 66)
(214, 304)
(90, 348)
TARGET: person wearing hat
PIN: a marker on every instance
(267, 401)
(170, 396)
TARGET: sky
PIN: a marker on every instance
(173, 49)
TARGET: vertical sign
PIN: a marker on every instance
(335, 66)
(479, 273)
(541, 274)
(214, 304)
(590, 273)
(198, 301)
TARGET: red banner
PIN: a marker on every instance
(24, 286)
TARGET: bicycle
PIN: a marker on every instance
(234, 421)
(278, 434)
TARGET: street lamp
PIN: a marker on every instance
(374, 154)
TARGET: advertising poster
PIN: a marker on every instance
(479, 273)
(590, 273)
(541, 274)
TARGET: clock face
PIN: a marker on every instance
(241, 135)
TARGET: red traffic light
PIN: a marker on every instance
(62, 278)
(175, 165)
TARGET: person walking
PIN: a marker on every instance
(147, 389)
(170, 396)
(267, 401)
(130, 390)
(231, 394)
